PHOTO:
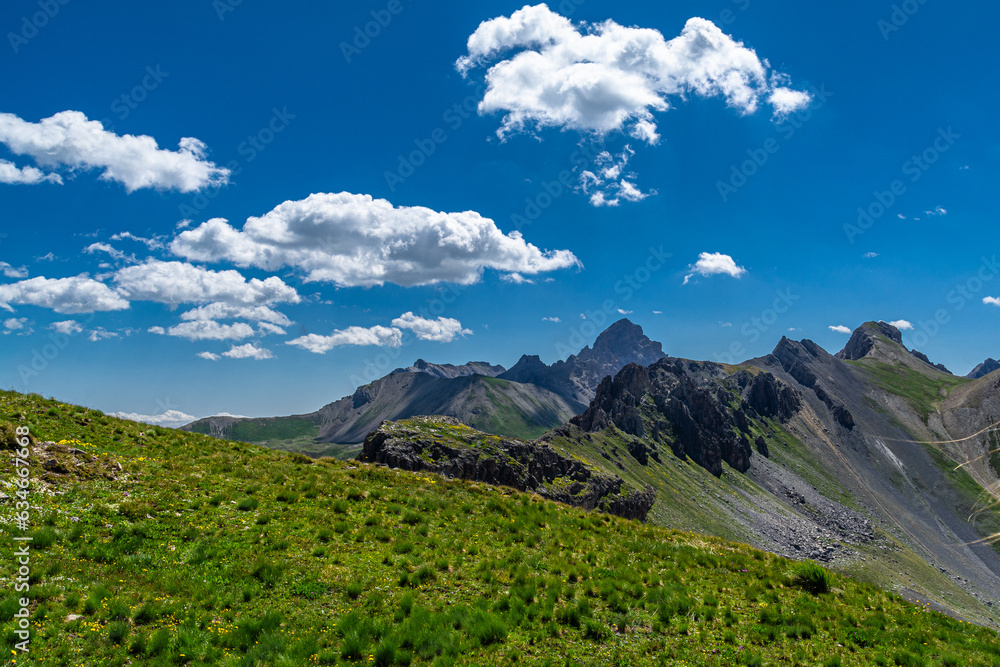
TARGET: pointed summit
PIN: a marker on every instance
(984, 369)
(865, 338)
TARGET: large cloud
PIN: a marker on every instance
(607, 77)
(377, 335)
(355, 240)
(545, 72)
(69, 296)
(179, 282)
(69, 139)
(442, 330)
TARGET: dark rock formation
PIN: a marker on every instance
(794, 359)
(984, 369)
(923, 357)
(695, 409)
(863, 340)
(445, 446)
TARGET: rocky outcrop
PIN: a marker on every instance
(923, 357)
(697, 410)
(446, 446)
(863, 340)
(795, 358)
(984, 369)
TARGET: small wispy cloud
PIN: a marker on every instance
(871, 255)
(992, 301)
(554, 320)
(840, 329)
(939, 210)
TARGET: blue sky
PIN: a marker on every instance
(321, 206)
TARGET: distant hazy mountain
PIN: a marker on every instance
(985, 368)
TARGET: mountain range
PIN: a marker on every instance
(873, 460)
(526, 401)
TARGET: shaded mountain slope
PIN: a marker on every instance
(487, 403)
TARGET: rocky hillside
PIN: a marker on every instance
(158, 547)
(810, 454)
(487, 403)
(446, 446)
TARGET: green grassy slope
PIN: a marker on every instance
(198, 551)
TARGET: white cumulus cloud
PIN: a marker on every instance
(13, 272)
(67, 327)
(248, 351)
(442, 330)
(225, 311)
(11, 174)
(206, 330)
(15, 323)
(377, 335)
(69, 296)
(992, 301)
(208, 355)
(354, 240)
(179, 282)
(902, 325)
(715, 264)
(68, 139)
(840, 329)
(168, 419)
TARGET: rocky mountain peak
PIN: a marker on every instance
(863, 340)
(624, 338)
(984, 369)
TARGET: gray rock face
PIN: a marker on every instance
(426, 443)
(984, 369)
(696, 409)
(576, 379)
(863, 340)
